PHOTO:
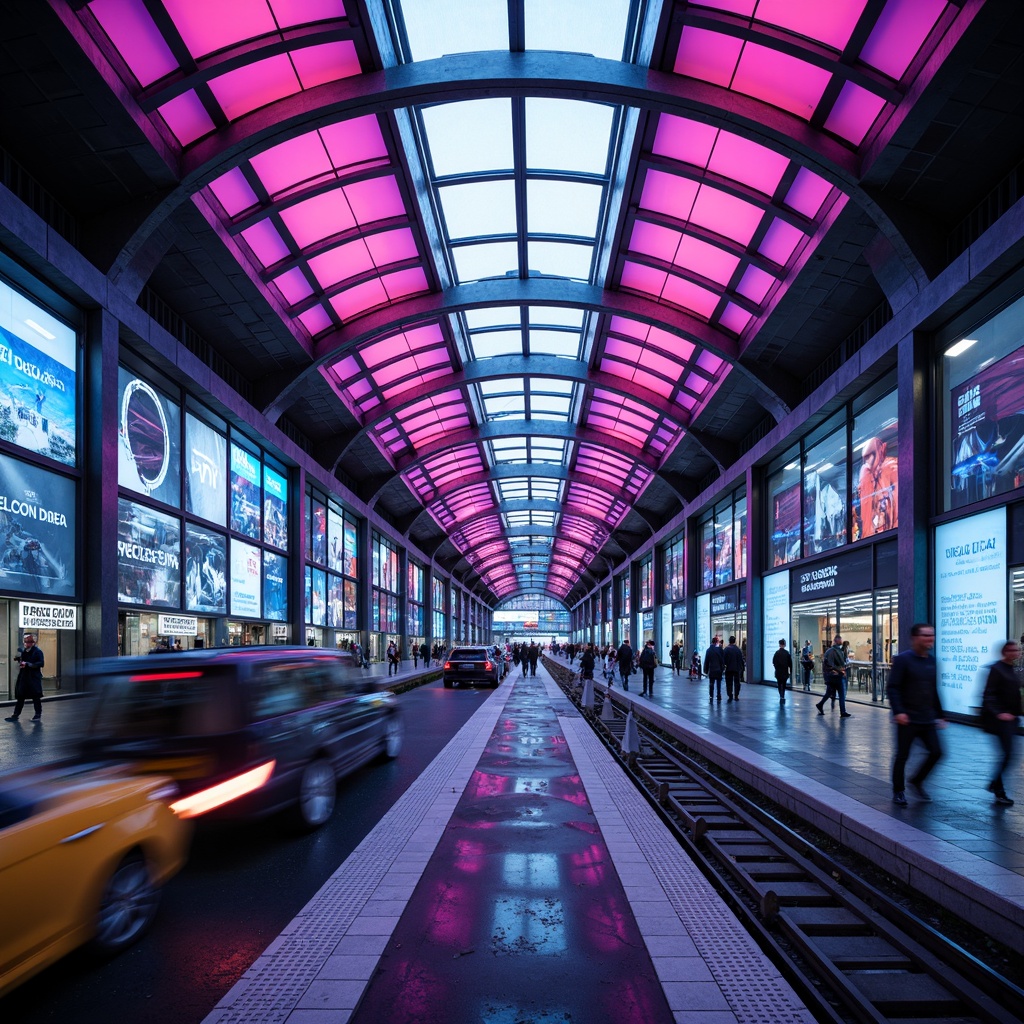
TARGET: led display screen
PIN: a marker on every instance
(37, 394)
(37, 527)
(148, 556)
(245, 579)
(319, 597)
(775, 592)
(335, 542)
(318, 532)
(206, 488)
(206, 569)
(245, 492)
(275, 588)
(275, 508)
(149, 454)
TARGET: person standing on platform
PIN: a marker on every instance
(648, 663)
(587, 662)
(695, 669)
(1000, 710)
(532, 657)
(29, 685)
(807, 663)
(916, 709)
(675, 656)
(714, 667)
(782, 662)
(833, 665)
(734, 665)
(624, 656)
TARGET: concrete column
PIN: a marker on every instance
(297, 541)
(756, 516)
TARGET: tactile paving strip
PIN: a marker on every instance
(281, 978)
(752, 987)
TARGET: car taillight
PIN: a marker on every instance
(447, 665)
(207, 800)
(488, 665)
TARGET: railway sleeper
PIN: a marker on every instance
(906, 995)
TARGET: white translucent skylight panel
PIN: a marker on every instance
(471, 135)
(505, 407)
(560, 259)
(556, 316)
(552, 385)
(578, 26)
(549, 407)
(548, 450)
(479, 208)
(488, 259)
(492, 316)
(457, 26)
(509, 450)
(567, 135)
(496, 343)
(555, 343)
(562, 207)
(494, 387)
(514, 490)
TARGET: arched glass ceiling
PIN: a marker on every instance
(527, 431)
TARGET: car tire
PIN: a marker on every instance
(318, 790)
(394, 735)
(448, 684)
(127, 906)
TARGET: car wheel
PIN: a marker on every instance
(394, 734)
(448, 684)
(317, 792)
(127, 906)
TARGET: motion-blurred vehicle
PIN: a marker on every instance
(245, 732)
(84, 852)
(469, 665)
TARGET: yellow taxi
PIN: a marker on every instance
(84, 852)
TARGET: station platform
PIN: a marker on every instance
(521, 863)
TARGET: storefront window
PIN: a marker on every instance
(647, 583)
(825, 494)
(875, 484)
(984, 434)
(784, 503)
(739, 560)
(149, 445)
(674, 567)
(707, 554)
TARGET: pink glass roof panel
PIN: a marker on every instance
(405, 282)
(255, 85)
(807, 193)
(293, 286)
(725, 214)
(342, 262)
(359, 298)
(709, 56)
(780, 79)
(854, 113)
(707, 260)
(899, 33)
(669, 194)
(206, 28)
(136, 37)
(639, 278)
(780, 242)
(679, 138)
(748, 162)
(186, 117)
(233, 192)
(831, 23)
(325, 63)
(755, 284)
(681, 292)
(285, 165)
(654, 240)
(315, 319)
(375, 199)
(318, 217)
(266, 243)
(359, 141)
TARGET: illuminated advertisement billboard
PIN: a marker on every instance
(275, 508)
(246, 577)
(206, 571)
(148, 556)
(245, 492)
(275, 586)
(149, 456)
(206, 478)
(37, 528)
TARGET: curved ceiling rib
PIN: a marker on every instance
(533, 280)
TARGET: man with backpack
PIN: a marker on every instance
(834, 667)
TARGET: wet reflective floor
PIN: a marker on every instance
(520, 914)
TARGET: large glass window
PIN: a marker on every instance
(875, 484)
(983, 437)
(149, 445)
(723, 541)
(825, 494)
(647, 583)
(206, 478)
(784, 510)
(674, 569)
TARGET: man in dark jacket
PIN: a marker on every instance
(833, 667)
(1000, 711)
(714, 666)
(782, 662)
(532, 656)
(916, 709)
(734, 665)
(30, 679)
(587, 662)
(624, 656)
(648, 663)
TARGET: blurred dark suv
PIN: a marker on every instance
(469, 665)
(244, 731)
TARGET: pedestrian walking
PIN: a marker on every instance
(833, 665)
(807, 663)
(714, 668)
(624, 657)
(29, 684)
(1000, 711)
(648, 663)
(734, 666)
(916, 709)
(782, 662)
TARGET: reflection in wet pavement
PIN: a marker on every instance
(520, 917)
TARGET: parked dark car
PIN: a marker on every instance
(244, 731)
(468, 665)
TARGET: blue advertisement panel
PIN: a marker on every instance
(275, 509)
(149, 446)
(775, 601)
(245, 492)
(37, 395)
(37, 527)
(275, 588)
(319, 587)
(148, 556)
(206, 570)
(206, 478)
(335, 548)
(318, 529)
(245, 579)
(335, 602)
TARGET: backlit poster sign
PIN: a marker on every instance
(275, 508)
(775, 602)
(970, 598)
(148, 449)
(37, 530)
(350, 604)
(148, 556)
(275, 589)
(319, 596)
(37, 394)
(206, 478)
(703, 624)
(350, 564)
(245, 579)
(245, 492)
(318, 531)
(786, 525)
(206, 571)
(335, 542)
(335, 602)
(988, 431)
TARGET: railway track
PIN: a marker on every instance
(852, 952)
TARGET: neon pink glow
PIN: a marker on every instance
(629, 328)
(266, 244)
(355, 142)
(899, 33)
(327, 62)
(361, 297)
(341, 263)
(405, 282)
(689, 142)
(777, 78)
(690, 296)
(375, 199)
(136, 37)
(709, 56)
(735, 318)
(346, 368)
(830, 23)
(282, 167)
(709, 362)
(671, 343)
(748, 162)
(315, 319)
(639, 278)
(755, 284)
(254, 85)
(668, 193)
(654, 240)
(780, 242)
(728, 215)
(807, 193)
(854, 113)
(318, 217)
(233, 192)
(707, 260)
(186, 117)
(206, 28)
(293, 286)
